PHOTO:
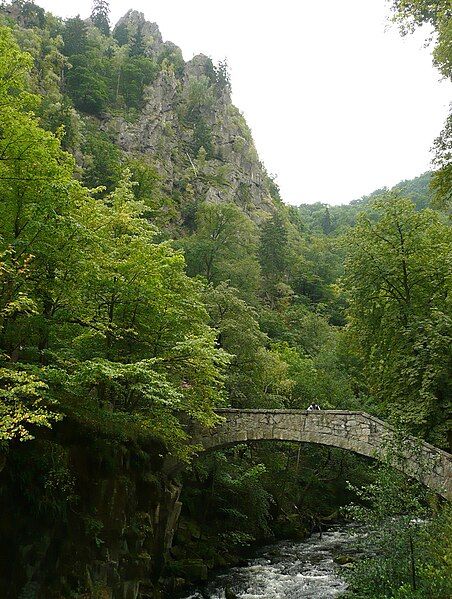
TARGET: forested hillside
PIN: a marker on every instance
(149, 273)
(334, 220)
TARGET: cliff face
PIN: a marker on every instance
(191, 131)
(105, 521)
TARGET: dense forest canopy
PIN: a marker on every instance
(150, 272)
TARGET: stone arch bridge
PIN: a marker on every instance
(356, 431)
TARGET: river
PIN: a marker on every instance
(289, 569)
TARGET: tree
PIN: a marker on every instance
(409, 552)
(398, 284)
(256, 375)
(223, 247)
(26, 12)
(273, 254)
(140, 348)
(134, 73)
(148, 188)
(75, 36)
(410, 14)
(121, 33)
(326, 222)
(222, 76)
(136, 42)
(87, 87)
(98, 322)
(102, 165)
(442, 178)
(36, 238)
(100, 16)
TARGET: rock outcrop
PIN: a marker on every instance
(190, 130)
(114, 519)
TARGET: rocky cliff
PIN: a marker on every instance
(190, 129)
(85, 515)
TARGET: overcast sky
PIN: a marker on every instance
(339, 104)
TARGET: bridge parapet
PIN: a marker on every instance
(355, 431)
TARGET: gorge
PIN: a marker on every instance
(165, 320)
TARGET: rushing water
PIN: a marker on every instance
(288, 570)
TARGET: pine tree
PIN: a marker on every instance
(273, 257)
(273, 248)
(326, 222)
(75, 36)
(137, 42)
(100, 15)
(121, 33)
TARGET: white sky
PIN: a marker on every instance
(339, 104)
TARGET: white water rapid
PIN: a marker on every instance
(288, 570)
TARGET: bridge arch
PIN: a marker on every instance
(355, 431)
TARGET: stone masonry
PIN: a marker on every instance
(355, 431)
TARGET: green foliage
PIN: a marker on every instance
(102, 74)
(316, 265)
(148, 188)
(136, 43)
(44, 482)
(134, 73)
(75, 36)
(223, 247)
(121, 33)
(126, 401)
(170, 58)
(222, 75)
(332, 221)
(250, 493)
(101, 327)
(100, 16)
(256, 376)
(409, 15)
(26, 12)
(86, 85)
(417, 190)
(319, 379)
(442, 178)
(326, 222)
(24, 405)
(198, 102)
(234, 493)
(99, 323)
(102, 160)
(398, 282)
(409, 543)
(273, 251)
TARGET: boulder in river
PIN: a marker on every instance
(343, 560)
